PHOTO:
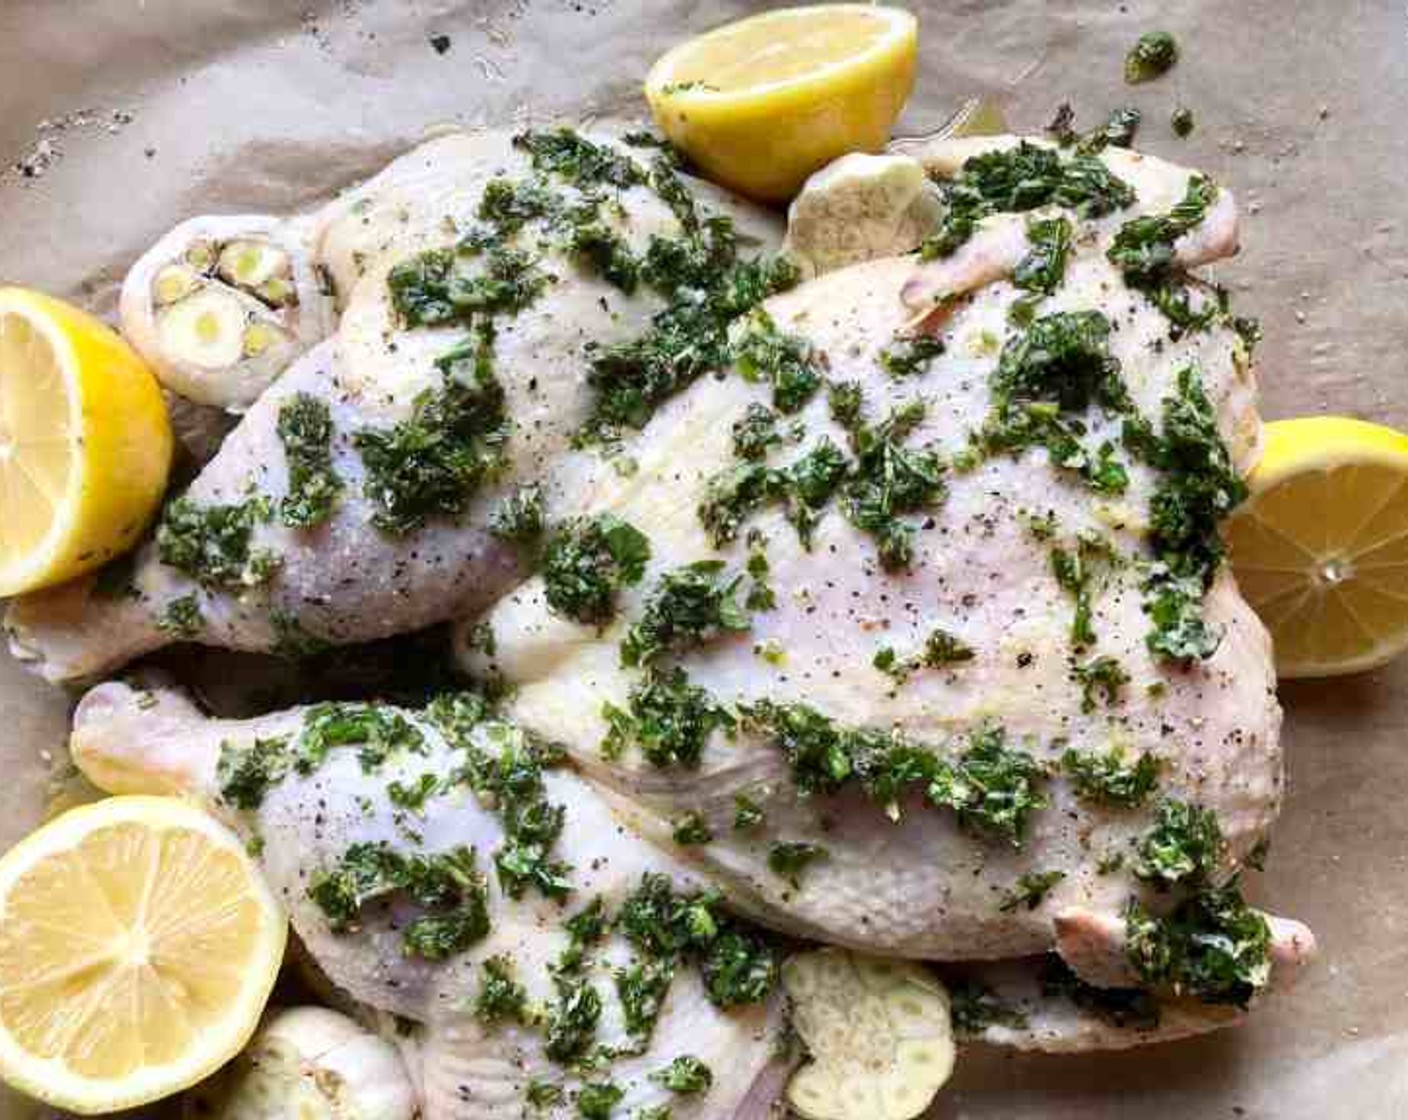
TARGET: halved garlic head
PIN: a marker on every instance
(312, 1064)
(220, 307)
(878, 1033)
(858, 208)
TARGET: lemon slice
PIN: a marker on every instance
(138, 945)
(760, 104)
(1320, 549)
(85, 443)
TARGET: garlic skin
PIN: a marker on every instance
(221, 306)
(308, 1063)
(858, 208)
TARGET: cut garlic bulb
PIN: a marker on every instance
(858, 208)
(309, 1063)
(878, 1033)
(220, 307)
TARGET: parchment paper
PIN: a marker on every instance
(158, 109)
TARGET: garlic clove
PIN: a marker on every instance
(205, 330)
(174, 282)
(248, 263)
(313, 1064)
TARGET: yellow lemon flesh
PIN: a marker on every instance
(138, 945)
(85, 443)
(1320, 549)
(760, 104)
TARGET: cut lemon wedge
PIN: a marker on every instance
(85, 443)
(138, 945)
(762, 103)
(1320, 549)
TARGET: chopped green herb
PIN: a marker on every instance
(1132, 1008)
(379, 732)
(940, 649)
(571, 1020)
(891, 480)
(606, 253)
(501, 998)
(1020, 179)
(1117, 132)
(1182, 122)
(211, 543)
(182, 617)
(598, 1100)
(974, 1008)
(448, 885)
(755, 432)
(1151, 57)
(1184, 846)
(1143, 247)
(413, 797)
(1213, 946)
(245, 775)
(692, 828)
(587, 562)
(1031, 890)
(291, 640)
(519, 517)
(909, 355)
(642, 989)
(432, 464)
(992, 788)
(669, 719)
(437, 288)
(456, 714)
(688, 606)
(1044, 266)
(786, 361)
(1111, 779)
(747, 813)
(581, 162)
(1101, 677)
(789, 858)
(543, 1094)
(305, 429)
(685, 1075)
(1076, 571)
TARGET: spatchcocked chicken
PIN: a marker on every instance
(884, 608)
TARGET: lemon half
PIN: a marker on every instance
(138, 945)
(85, 443)
(760, 104)
(1320, 549)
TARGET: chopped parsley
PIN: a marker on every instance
(1118, 131)
(747, 813)
(940, 649)
(685, 1075)
(1182, 122)
(437, 287)
(738, 966)
(1151, 57)
(501, 998)
(597, 1100)
(789, 858)
(519, 517)
(1044, 266)
(605, 252)
(668, 718)
(692, 828)
(1143, 247)
(1031, 890)
(413, 797)
(1020, 179)
(787, 362)
(688, 606)
(291, 639)
(1111, 778)
(755, 432)
(992, 788)
(641, 989)
(182, 617)
(974, 1008)
(245, 775)
(570, 156)
(305, 429)
(211, 543)
(588, 561)
(890, 480)
(431, 464)
(447, 885)
(1133, 1008)
(543, 1094)
(1101, 678)
(1184, 846)
(378, 732)
(1213, 946)
(571, 1020)
(1076, 571)
(909, 355)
